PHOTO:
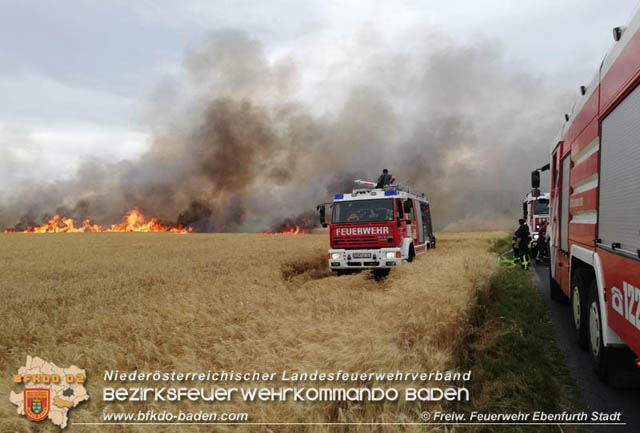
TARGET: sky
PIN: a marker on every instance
(82, 79)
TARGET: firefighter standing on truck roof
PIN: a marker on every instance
(522, 243)
(384, 179)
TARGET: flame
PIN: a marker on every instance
(287, 230)
(133, 221)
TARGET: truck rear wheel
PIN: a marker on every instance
(600, 355)
(579, 291)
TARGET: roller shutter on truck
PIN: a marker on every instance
(619, 202)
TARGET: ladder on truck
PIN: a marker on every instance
(368, 186)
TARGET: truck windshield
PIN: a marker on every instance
(542, 206)
(360, 211)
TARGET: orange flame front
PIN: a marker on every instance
(287, 230)
(133, 221)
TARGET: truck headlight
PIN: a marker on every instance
(391, 254)
(335, 256)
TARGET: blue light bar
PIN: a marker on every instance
(390, 192)
(338, 196)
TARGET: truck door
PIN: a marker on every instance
(418, 223)
(399, 217)
(562, 266)
(409, 213)
(424, 212)
(552, 229)
(429, 226)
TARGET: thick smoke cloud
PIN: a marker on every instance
(243, 142)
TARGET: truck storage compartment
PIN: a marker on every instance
(619, 222)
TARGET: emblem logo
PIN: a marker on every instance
(36, 403)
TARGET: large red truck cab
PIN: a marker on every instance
(594, 232)
(377, 228)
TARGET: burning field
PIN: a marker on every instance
(135, 221)
(243, 302)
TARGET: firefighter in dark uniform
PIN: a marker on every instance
(384, 179)
(523, 237)
(516, 251)
(542, 242)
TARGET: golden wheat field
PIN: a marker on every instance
(243, 302)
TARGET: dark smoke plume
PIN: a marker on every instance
(237, 147)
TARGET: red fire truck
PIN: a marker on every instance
(535, 211)
(595, 208)
(377, 228)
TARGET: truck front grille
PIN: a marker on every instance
(355, 241)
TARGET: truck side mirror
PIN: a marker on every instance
(535, 179)
(407, 206)
(525, 213)
(322, 211)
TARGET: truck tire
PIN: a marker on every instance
(600, 355)
(412, 254)
(579, 292)
(555, 291)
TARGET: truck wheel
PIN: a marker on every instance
(579, 291)
(600, 355)
(412, 254)
(554, 289)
